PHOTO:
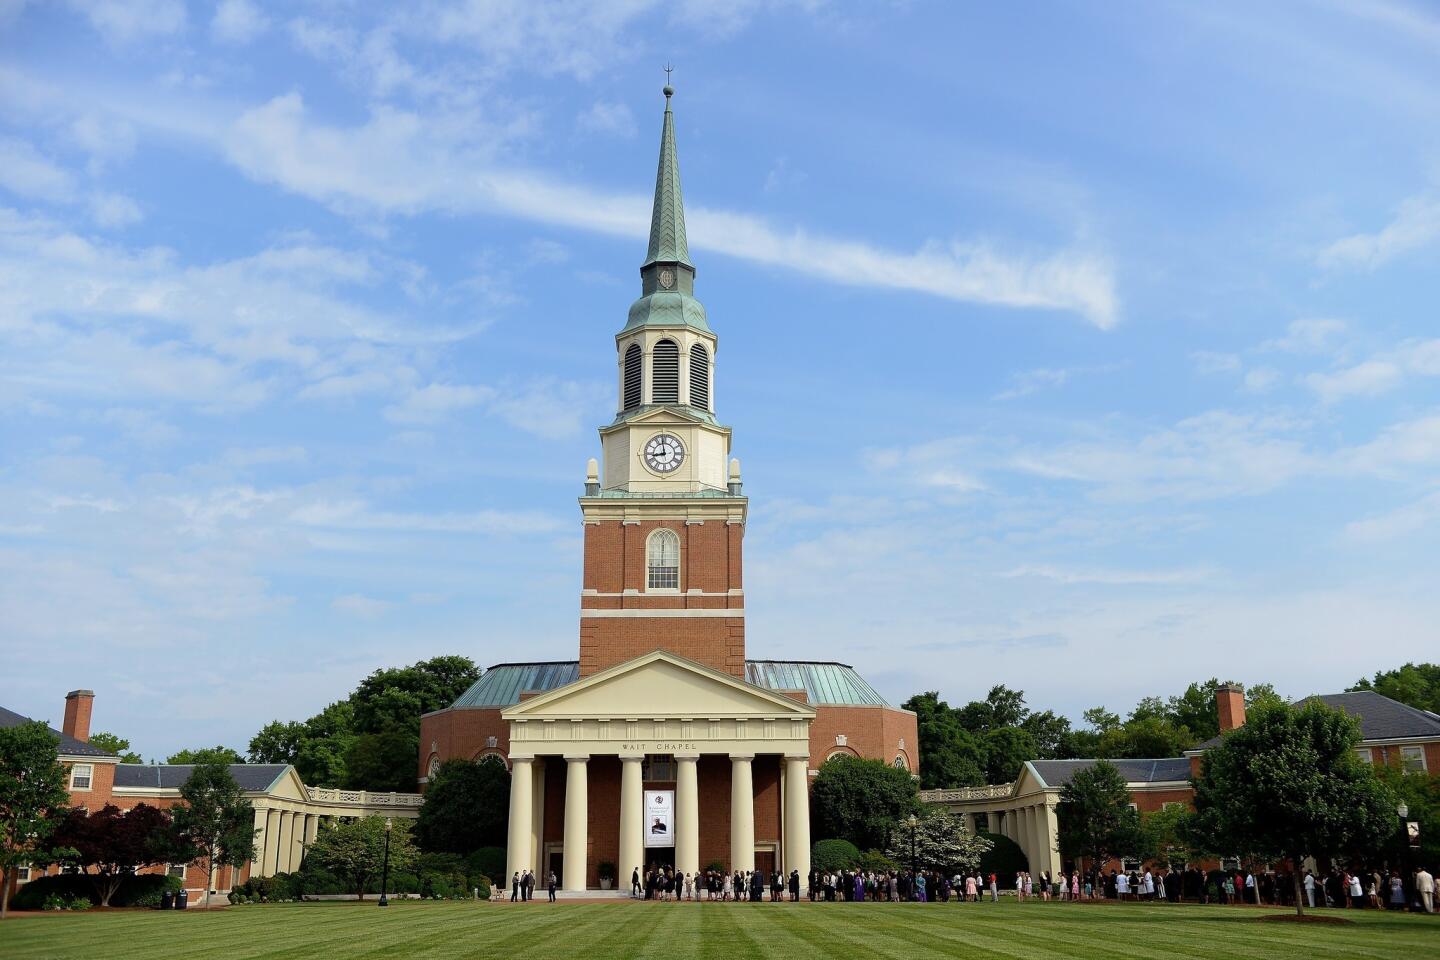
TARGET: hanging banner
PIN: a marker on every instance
(659, 818)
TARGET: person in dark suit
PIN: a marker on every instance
(794, 886)
(635, 883)
(551, 886)
(515, 887)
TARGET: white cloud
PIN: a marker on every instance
(1109, 577)
(123, 21)
(1409, 443)
(1368, 379)
(392, 164)
(1307, 335)
(607, 117)
(359, 605)
(1402, 522)
(1416, 225)
(1208, 362)
(1261, 379)
(24, 171)
(237, 22)
(436, 401)
(114, 210)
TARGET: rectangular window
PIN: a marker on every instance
(1229, 863)
(22, 873)
(1133, 806)
(1412, 759)
(1172, 804)
(658, 769)
(176, 870)
(1129, 863)
(1364, 755)
(80, 776)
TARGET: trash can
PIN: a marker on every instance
(181, 899)
(167, 900)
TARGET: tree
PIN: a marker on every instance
(33, 798)
(1094, 817)
(831, 855)
(393, 699)
(940, 842)
(382, 761)
(1167, 833)
(466, 807)
(355, 851)
(215, 821)
(1288, 784)
(110, 843)
(1420, 791)
(111, 743)
(277, 742)
(860, 800)
(1415, 684)
(221, 755)
(950, 755)
(1006, 750)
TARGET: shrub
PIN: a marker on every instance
(834, 855)
(716, 866)
(54, 901)
(488, 862)
(35, 894)
(606, 870)
(145, 890)
(874, 860)
(1004, 859)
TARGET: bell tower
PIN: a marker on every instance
(665, 516)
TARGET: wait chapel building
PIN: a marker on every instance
(662, 742)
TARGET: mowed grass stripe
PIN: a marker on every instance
(447, 931)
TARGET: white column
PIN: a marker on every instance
(742, 815)
(297, 841)
(687, 816)
(517, 840)
(312, 827)
(270, 845)
(1050, 831)
(537, 822)
(796, 829)
(257, 864)
(577, 813)
(1038, 860)
(1022, 837)
(287, 838)
(632, 821)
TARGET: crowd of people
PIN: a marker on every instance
(1375, 889)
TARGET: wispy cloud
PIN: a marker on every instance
(1416, 224)
(1110, 577)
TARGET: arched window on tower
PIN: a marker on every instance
(700, 377)
(665, 373)
(632, 377)
(662, 557)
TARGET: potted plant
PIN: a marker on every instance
(607, 874)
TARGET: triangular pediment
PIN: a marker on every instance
(289, 786)
(660, 416)
(659, 684)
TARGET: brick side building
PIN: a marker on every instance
(661, 704)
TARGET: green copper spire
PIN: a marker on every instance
(667, 278)
(667, 220)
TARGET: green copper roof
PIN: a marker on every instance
(667, 308)
(825, 683)
(667, 221)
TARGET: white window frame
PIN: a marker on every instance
(1133, 806)
(661, 533)
(1365, 754)
(170, 869)
(75, 774)
(1172, 804)
(1131, 864)
(1412, 758)
(1229, 863)
(22, 873)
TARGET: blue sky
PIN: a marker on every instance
(1087, 348)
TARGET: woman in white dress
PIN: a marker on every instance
(1122, 886)
(726, 890)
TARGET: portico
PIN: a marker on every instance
(666, 723)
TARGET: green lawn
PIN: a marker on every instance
(598, 931)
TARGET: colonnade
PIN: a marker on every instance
(281, 838)
(1034, 827)
(525, 846)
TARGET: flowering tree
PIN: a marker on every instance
(940, 842)
(110, 843)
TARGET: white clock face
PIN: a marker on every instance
(666, 279)
(664, 453)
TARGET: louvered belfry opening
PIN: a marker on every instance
(700, 377)
(633, 365)
(665, 373)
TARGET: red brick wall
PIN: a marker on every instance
(710, 562)
(461, 733)
(874, 733)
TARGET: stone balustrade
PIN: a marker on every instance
(994, 791)
(364, 798)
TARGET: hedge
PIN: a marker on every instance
(834, 855)
(143, 890)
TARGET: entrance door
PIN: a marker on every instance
(557, 863)
(765, 863)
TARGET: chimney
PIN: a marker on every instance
(1230, 704)
(78, 704)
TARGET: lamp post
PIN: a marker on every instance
(385, 869)
(914, 822)
(1402, 810)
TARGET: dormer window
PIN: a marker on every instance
(662, 558)
(665, 373)
(700, 377)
